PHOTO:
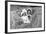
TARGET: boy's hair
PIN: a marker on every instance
(30, 11)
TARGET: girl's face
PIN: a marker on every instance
(24, 14)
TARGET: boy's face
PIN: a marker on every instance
(29, 12)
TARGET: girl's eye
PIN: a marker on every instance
(24, 14)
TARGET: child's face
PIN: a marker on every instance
(24, 14)
(28, 12)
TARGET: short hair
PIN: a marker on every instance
(30, 11)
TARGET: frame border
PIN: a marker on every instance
(6, 4)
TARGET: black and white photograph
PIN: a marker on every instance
(25, 17)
